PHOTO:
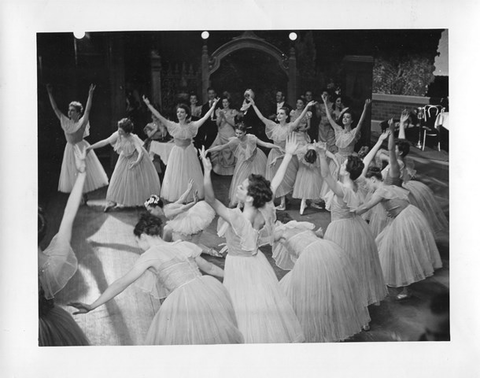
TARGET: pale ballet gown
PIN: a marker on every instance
(96, 176)
(263, 311)
(249, 159)
(223, 162)
(352, 234)
(57, 265)
(406, 246)
(278, 134)
(309, 181)
(345, 141)
(183, 163)
(197, 308)
(131, 186)
(322, 285)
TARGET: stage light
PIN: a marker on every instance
(292, 36)
(79, 34)
(205, 35)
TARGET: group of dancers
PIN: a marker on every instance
(381, 238)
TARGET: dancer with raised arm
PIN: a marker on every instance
(345, 135)
(197, 308)
(278, 132)
(134, 177)
(56, 266)
(183, 163)
(406, 246)
(263, 312)
(77, 127)
(249, 158)
(350, 231)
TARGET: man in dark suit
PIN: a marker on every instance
(248, 116)
(208, 131)
(315, 120)
(280, 103)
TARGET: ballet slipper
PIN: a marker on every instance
(303, 205)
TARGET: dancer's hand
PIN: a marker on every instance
(146, 100)
(190, 185)
(80, 156)
(49, 88)
(291, 144)
(82, 307)
(404, 116)
(91, 89)
(324, 98)
(311, 103)
(391, 125)
(132, 165)
(367, 103)
(384, 135)
(207, 164)
(321, 148)
(195, 196)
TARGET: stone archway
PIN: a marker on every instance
(249, 40)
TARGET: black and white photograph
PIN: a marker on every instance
(213, 193)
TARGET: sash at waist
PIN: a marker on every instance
(182, 142)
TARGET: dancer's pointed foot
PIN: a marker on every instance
(109, 206)
(303, 205)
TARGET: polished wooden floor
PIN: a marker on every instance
(106, 249)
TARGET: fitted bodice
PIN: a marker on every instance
(394, 199)
(178, 272)
(345, 141)
(245, 149)
(278, 133)
(72, 131)
(126, 145)
(177, 131)
(341, 207)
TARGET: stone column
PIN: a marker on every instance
(156, 72)
(292, 77)
(205, 72)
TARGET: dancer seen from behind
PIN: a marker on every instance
(406, 246)
(56, 266)
(350, 231)
(134, 177)
(263, 312)
(183, 221)
(322, 285)
(76, 127)
(278, 132)
(182, 164)
(249, 158)
(197, 308)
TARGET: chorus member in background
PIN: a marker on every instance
(346, 136)
(224, 160)
(197, 308)
(156, 131)
(56, 265)
(263, 312)
(195, 110)
(134, 177)
(278, 132)
(207, 134)
(249, 158)
(77, 127)
(304, 125)
(182, 164)
(338, 108)
(326, 133)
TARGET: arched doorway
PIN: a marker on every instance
(230, 58)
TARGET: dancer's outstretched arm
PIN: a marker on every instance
(208, 267)
(102, 143)
(394, 170)
(335, 126)
(373, 152)
(403, 119)
(325, 170)
(114, 289)
(219, 207)
(362, 117)
(55, 108)
(73, 202)
(155, 112)
(266, 121)
(202, 120)
(304, 112)
(290, 148)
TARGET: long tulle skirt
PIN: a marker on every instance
(58, 328)
(289, 180)
(422, 197)
(263, 312)
(183, 165)
(223, 161)
(355, 238)
(96, 176)
(378, 219)
(131, 187)
(198, 312)
(407, 249)
(244, 168)
(324, 292)
(308, 184)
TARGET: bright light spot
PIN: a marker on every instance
(205, 35)
(292, 36)
(79, 34)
